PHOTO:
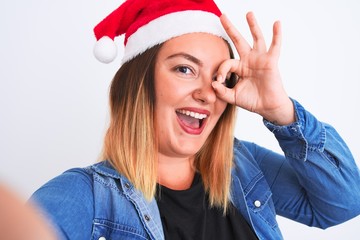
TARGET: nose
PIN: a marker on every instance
(204, 92)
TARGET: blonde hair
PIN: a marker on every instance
(130, 143)
(215, 158)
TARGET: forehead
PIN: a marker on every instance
(204, 46)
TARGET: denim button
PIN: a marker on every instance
(257, 203)
(147, 218)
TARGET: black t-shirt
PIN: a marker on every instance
(186, 215)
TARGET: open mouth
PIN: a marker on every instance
(190, 119)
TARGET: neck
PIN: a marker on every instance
(176, 173)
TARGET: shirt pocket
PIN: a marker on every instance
(106, 230)
(259, 201)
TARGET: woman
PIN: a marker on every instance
(171, 167)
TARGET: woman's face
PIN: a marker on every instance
(187, 108)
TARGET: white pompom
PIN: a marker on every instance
(105, 50)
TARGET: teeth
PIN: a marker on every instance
(192, 114)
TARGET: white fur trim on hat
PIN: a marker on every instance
(170, 26)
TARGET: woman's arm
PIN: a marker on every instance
(318, 183)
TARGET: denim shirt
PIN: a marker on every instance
(315, 182)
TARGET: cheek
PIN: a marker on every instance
(162, 101)
(170, 92)
(220, 107)
(163, 87)
(218, 111)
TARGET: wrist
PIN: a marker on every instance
(283, 115)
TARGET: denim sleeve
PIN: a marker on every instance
(318, 182)
(67, 202)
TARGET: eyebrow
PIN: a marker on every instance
(186, 56)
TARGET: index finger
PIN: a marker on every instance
(241, 45)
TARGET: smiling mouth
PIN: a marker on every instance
(190, 119)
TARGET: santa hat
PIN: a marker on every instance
(147, 23)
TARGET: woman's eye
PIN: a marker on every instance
(231, 80)
(184, 70)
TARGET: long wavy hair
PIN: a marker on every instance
(131, 144)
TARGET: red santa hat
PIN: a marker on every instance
(147, 23)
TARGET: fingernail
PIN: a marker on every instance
(214, 84)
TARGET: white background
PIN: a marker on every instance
(53, 93)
